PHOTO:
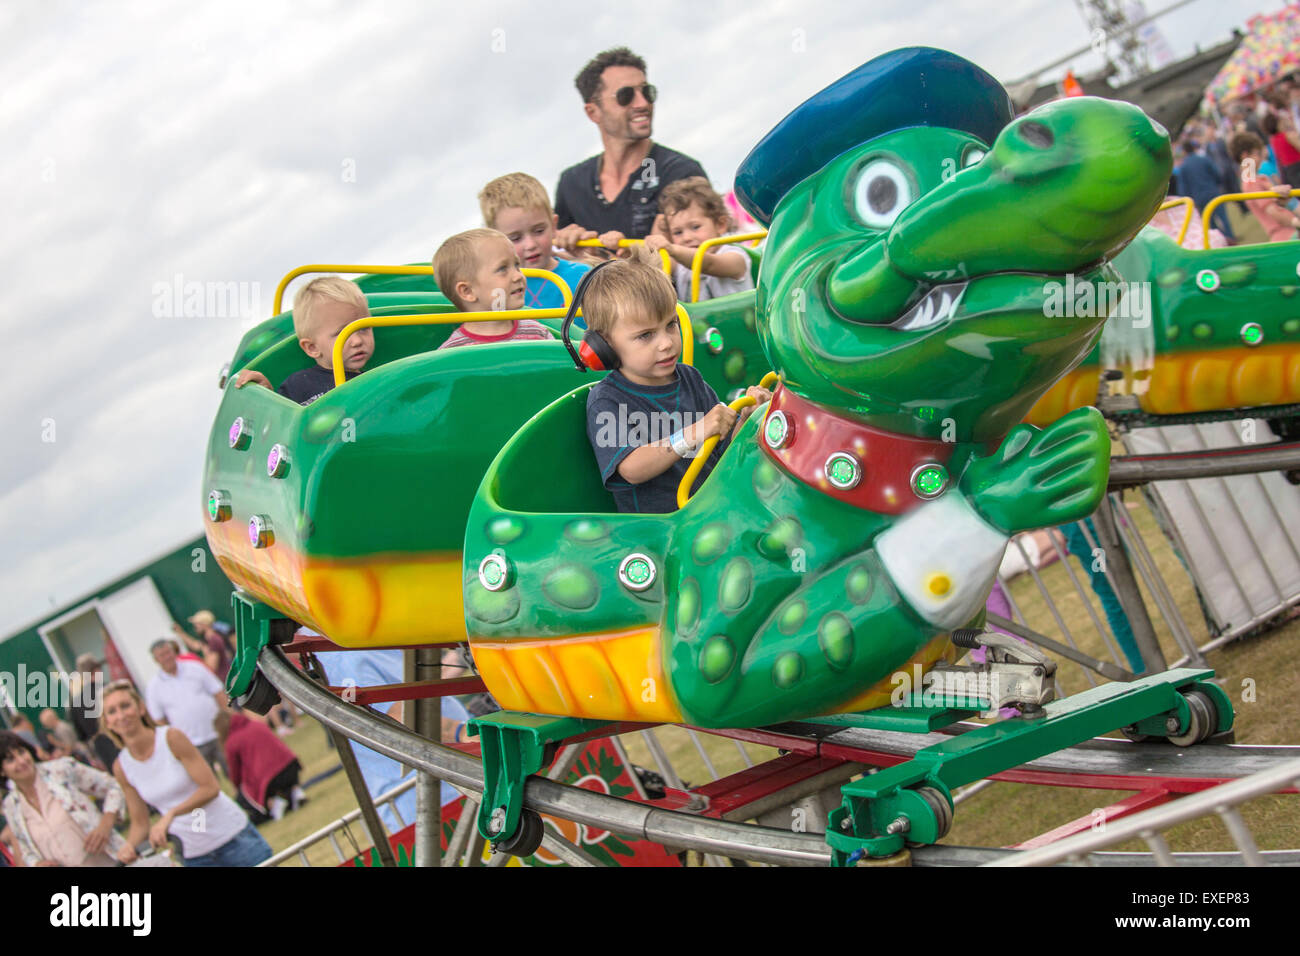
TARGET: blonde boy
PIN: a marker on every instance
(650, 414)
(321, 309)
(478, 270)
(517, 205)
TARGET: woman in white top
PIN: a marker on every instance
(159, 766)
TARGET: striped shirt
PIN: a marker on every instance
(522, 330)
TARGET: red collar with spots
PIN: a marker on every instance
(894, 472)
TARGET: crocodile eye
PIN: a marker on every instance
(973, 156)
(881, 191)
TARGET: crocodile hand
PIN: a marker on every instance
(1038, 479)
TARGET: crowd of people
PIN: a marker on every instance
(82, 789)
(1254, 146)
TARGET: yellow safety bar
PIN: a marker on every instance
(292, 274)
(698, 262)
(693, 472)
(1189, 210)
(456, 318)
(1217, 201)
(624, 243)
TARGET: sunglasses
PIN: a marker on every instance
(623, 96)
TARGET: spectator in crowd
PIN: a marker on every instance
(263, 770)
(84, 709)
(22, 726)
(188, 696)
(159, 766)
(1196, 176)
(50, 808)
(82, 703)
(211, 641)
(614, 194)
(61, 733)
(1279, 222)
(1282, 138)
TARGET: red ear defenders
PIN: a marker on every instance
(594, 352)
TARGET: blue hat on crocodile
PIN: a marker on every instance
(916, 86)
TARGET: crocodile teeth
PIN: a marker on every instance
(939, 304)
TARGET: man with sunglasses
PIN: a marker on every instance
(615, 194)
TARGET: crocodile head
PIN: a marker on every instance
(909, 279)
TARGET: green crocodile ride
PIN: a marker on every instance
(1199, 334)
(348, 515)
(860, 518)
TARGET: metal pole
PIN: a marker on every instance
(428, 724)
(1131, 470)
(1126, 588)
(1104, 668)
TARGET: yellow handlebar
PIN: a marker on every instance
(624, 243)
(688, 335)
(1217, 201)
(1189, 210)
(697, 263)
(693, 472)
(456, 318)
(292, 274)
(443, 318)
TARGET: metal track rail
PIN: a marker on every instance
(1099, 763)
(984, 856)
(1199, 767)
(666, 827)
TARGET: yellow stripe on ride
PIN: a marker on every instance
(376, 601)
(615, 675)
(1185, 382)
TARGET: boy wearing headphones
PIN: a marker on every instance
(648, 416)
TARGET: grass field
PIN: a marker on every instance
(1004, 813)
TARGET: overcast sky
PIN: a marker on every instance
(229, 142)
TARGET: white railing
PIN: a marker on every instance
(329, 831)
(1221, 801)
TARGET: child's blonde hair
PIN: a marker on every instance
(128, 687)
(680, 194)
(457, 261)
(627, 286)
(510, 191)
(310, 295)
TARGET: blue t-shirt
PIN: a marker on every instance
(622, 416)
(541, 294)
(368, 669)
(309, 384)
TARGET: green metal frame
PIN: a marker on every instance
(253, 623)
(514, 746)
(884, 811)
